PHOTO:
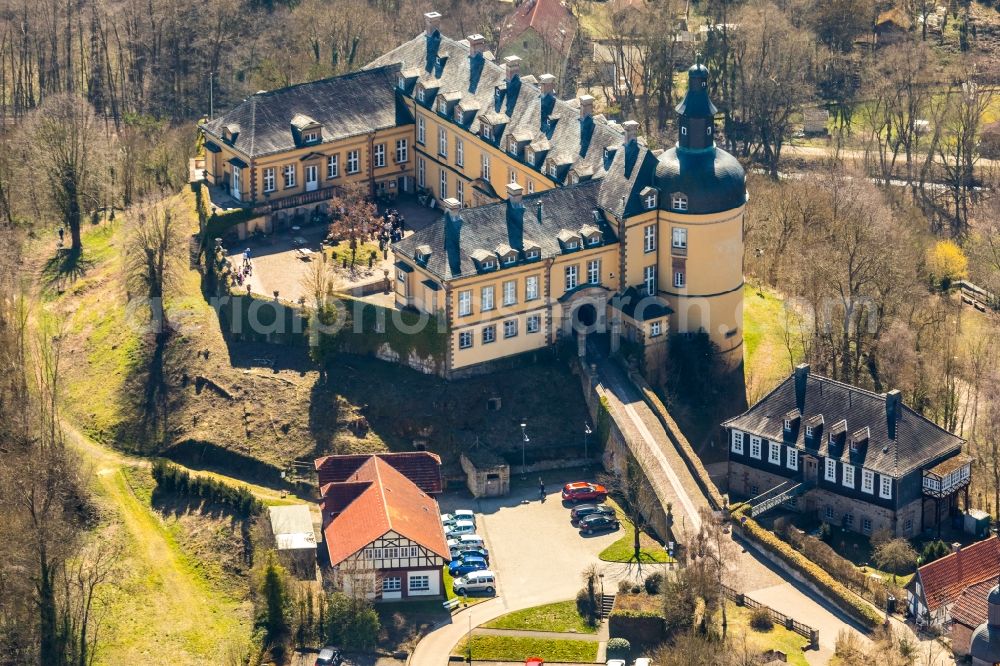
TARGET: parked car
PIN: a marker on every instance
(467, 565)
(534, 661)
(616, 662)
(477, 581)
(460, 514)
(643, 661)
(465, 542)
(581, 491)
(583, 510)
(598, 522)
(459, 528)
(329, 656)
(478, 552)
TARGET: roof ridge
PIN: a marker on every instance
(381, 487)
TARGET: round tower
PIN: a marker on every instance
(985, 646)
(702, 200)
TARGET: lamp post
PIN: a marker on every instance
(586, 440)
(601, 578)
(524, 440)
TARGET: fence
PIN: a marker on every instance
(787, 622)
(976, 296)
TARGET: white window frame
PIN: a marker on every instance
(333, 166)
(679, 238)
(442, 142)
(650, 201)
(793, 458)
(774, 453)
(459, 151)
(510, 292)
(269, 180)
(420, 583)
(310, 136)
(848, 480)
(868, 481)
(289, 173)
(679, 201)
(464, 302)
(485, 130)
(484, 164)
(532, 254)
(421, 130)
(655, 329)
(649, 280)
(465, 340)
(402, 151)
(533, 324)
(531, 287)
(353, 161)
(531, 186)
(572, 274)
(510, 328)
(392, 583)
(679, 279)
(737, 444)
(460, 190)
(529, 156)
(755, 447)
(486, 302)
(443, 184)
(489, 334)
(421, 172)
(830, 470)
(594, 271)
(379, 155)
(885, 487)
(419, 93)
(649, 238)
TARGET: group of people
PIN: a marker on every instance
(245, 270)
(393, 224)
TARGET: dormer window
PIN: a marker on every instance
(486, 130)
(609, 154)
(458, 114)
(684, 131)
(650, 201)
(529, 156)
(401, 82)
(574, 178)
(679, 201)
(512, 145)
(533, 253)
(487, 264)
(571, 245)
(419, 93)
(443, 106)
(809, 431)
(788, 425)
(553, 170)
(310, 136)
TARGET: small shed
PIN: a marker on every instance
(487, 475)
(295, 539)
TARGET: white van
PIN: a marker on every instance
(464, 542)
(476, 581)
(459, 528)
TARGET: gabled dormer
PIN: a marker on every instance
(484, 261)
(532, 251)
(230, 133)
(609, 156)
(406, 79)
(447, 101)
(517, 141)
(650, 197)
(422, 254)
(556, 166)
(790, 425)
(569, 241)
(579, 174)
(592, 236)
(814, 430)
(305, 130)
(465, 110)
(536, 151)
(859, 440)
(506, 255)
(424, 92)
(837, 437)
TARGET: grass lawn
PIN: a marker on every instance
(777, 638)
(561, 616)
(342, 251)
(766, 357)
(450, 593)
(517, 649)
(623, 550)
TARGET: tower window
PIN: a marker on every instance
(708, 130)
(679, 201)
(684, 131)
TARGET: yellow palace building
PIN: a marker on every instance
(556, 219)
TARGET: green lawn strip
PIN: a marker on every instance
(561, 616)
(450, 593)
(778, 638)
(517, 648)
(623, 550)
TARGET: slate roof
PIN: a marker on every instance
(945, 579)
(385, 501)
(918, 441)
(582, 141)
(971, 607)
(346, 106)
(421, 467)
(486, 227)
(549, 18)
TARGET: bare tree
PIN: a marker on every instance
(354, 218)
(149, 262)
(636, 498)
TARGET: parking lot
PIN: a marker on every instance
(537, 556)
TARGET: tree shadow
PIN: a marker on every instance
(67, 265)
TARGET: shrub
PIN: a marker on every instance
(172, 479)
(934, 550)
(760, 620)
(653, 583)
(585, 605)
(619, 648)
(624, 587)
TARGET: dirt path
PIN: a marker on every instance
(162, 605)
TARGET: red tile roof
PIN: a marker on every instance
(945, 579)
(971, 608)
(549, 18)
(421, 467)
(383, 501)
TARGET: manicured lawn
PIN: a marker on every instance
(561, 616)
(766, 355)
(778, 638)
(623, 550)
(517, 649)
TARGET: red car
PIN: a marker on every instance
(581, 491)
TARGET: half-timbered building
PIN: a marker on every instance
(382, 531)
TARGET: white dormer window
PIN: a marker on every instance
(809, 431)
(510, 259)
(531, 254)
(608, 154)
(788, 424)
(679, 201)
(487, 264)
(571, 245)
(708, 131)
(553, 170)
(684, 131)
(310, 136)
(401, 82)
(420, 93)
(458, 114)
(594, 240)
(573, 178)
(650, 201)
(512, 145)
(486, 130)
(442, 105)
(529, 156)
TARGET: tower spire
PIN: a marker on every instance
(696, 114)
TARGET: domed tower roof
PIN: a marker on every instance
(985, 644)
(710, 179)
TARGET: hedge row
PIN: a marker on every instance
(644, 627)
(834, 589)
(171, 478)
(684, 448)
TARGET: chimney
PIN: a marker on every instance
(513, 64)
(801, 375)
(548, 84)
(477, 45)
(631, 131)
(514, 194)
(956, 546)
(893, 401)
(586, 106)
(432, 23)
(451, 208)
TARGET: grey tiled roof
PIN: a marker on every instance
(918, 441)
(581, 142)
(493, 225)
(346, 106)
